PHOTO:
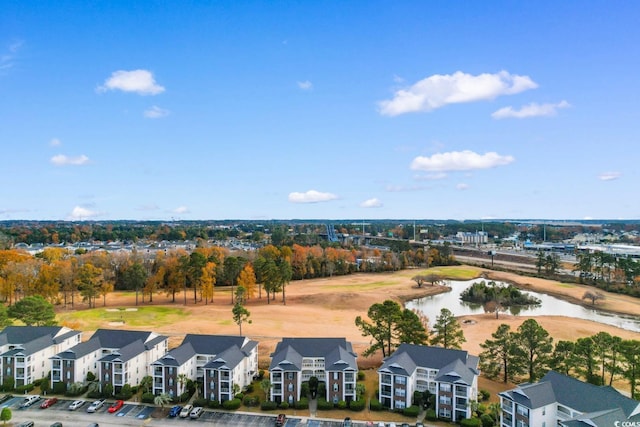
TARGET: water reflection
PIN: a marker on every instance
(551, 306)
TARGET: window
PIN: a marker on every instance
(106, 377)
(401, 392)
(386, 378)
(335, 386)
(335, 376)
(290, 387)
(401, 380)
(399, 404)
(68, 375)
(522, 410)
(170, 382)
(290, 375)
(212, 385)
(290, 399)
(170, 370)
(445, 387)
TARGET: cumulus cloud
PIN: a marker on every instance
(62, 160)
(439, 90)
(80, 213)
(609, 176)
(531, 110)
(55, 142)
(460, 161)
(371, 203)
(136, 81)
(156, 112)
(305, 85)
(311, 196)
(462, 186)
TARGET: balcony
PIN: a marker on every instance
(55, 377)
(117, 371)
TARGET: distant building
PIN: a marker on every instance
(467, 238)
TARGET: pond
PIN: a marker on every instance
(551, 306)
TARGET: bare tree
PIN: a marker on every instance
(593, 296)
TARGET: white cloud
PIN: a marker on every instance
(371, 203)
(403, 188)
(311, 196)
(609, 176)
(62, 160)
(460, 161)
(181, 210)
(439, 90)
(7, 58)
(55, 142)
(137, 81)
(156, 112)
(530, 110)
(305, 85)
(462, 186)
(81, 213)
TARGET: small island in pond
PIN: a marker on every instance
(507, 296)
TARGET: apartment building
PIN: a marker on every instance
(451, 375)
(560, 400)
(25, 350)
(330, 360)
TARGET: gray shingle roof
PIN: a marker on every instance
(178, 356)
(585, 397)
(34, 338)
(125, 353)
(290, 351)
(80, 350)
(408, 357)
(213, 344)
(230, 358)
(532, 396)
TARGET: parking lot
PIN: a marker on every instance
(130, 413)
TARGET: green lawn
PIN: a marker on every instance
(142, 316)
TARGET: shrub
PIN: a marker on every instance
(59, 388)
(324, 405)
(91, 377)
(24, 388)
(470, 422)
(484, 395)
(431, 415)
(38, 382)
(375, 405)
(261, 374)
(487, 420)
(134, 390)
(357, 405)
(75, 389)
(147, 398)
(239, 396)
(251, 401)
(125, 393)
(268, 405)
(201, 402)
(95, 394)
(214, 404)
(303, 403)
(341, 404)
(361, 376)
(232, 405)
(8, 384)
(411, 411)
(304, 389)
(283, 405)
(249, 389)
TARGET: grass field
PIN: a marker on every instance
(133, 317)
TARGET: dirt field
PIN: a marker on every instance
(328, 308)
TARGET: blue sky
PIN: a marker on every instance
(319, 109)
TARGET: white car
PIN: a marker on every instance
(96, 405)
(186, 411)
(29, 400)
(76, 404)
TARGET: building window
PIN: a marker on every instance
(170, 382)
(170, 370)
(401, 380)
(290, 387)
(68, 375)
(335, 386)
(445, 387)
(290, 399)
(399, 404)
(212, 385)
(106, 377)
(335, 376)
(289, 375)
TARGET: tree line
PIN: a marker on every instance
(62, 277)
(529, 352)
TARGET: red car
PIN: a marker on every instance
(49, 402)
(115, 406)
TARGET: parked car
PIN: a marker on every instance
(196, 412)
(95, 405)
(26, 424)
(115, 406)
(347, 422)
(29, 400)
(186, 410)
(56, 424)
(419, 425)
(76, 404)
(49, 402)
(94, 425)
(282, 418)
(175, 411)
